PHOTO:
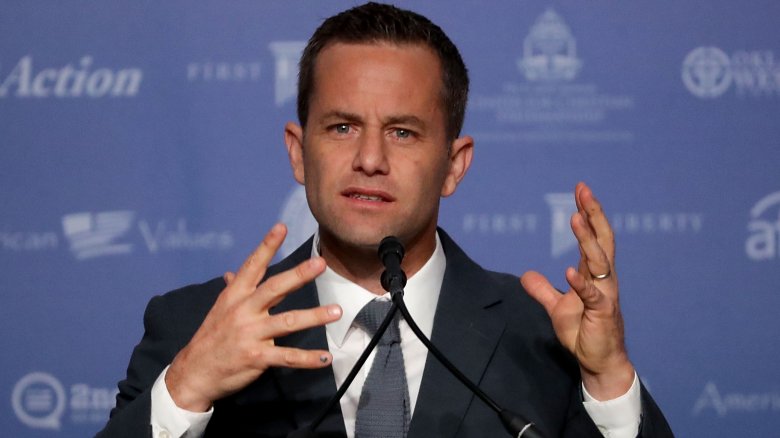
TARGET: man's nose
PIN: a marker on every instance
(371, 154)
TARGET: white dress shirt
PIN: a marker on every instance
(615, 418)
(346, 342)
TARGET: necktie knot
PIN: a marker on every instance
(371, 316)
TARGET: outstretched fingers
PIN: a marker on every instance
(274, 289)
(596, 262)
(254, 267)
(295, 358)
(283, 324)
(594, 215)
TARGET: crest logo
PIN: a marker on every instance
(549, 50)
(39, 401)
(286, 55)
(764, 240)
(95, 234)
(706, 72)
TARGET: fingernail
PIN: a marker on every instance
(334, 310)
(324, 358)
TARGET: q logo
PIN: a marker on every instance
(39, 401)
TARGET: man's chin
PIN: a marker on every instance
(358, 238)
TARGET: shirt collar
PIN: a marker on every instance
(421, 294)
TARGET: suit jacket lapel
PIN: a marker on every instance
(308, 390)
(467, 333)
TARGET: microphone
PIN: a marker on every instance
(393, 279)
(391, 252)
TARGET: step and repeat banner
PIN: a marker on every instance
(142, 150)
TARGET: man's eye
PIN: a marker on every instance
(342, 128)
(403, 133)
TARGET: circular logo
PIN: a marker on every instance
(39, 400)
(706, 72)
(299, 220)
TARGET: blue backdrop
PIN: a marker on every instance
(142, 150)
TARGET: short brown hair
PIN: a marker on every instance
(374, 23)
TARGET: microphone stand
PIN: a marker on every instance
(393, 280)
(308, 431)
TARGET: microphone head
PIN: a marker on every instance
(391, 252)
(390, 245)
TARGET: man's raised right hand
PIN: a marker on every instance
(235, 343)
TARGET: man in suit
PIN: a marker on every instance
(382, 94)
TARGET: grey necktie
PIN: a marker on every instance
(383, 409)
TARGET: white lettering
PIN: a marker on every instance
(128, 82)
(81, 77)
(648, 223)
(711, 398)
(70, 82)
(28, 241)
(19, 75)
(499, 223)
(99, 83)
(180, 238)
(83, 397)
(39, 88)
(755, 73)
(762, 244)
(223, 71)
(764, 241)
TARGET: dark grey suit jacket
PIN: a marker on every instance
(485, 323)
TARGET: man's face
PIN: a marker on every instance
(374, 155)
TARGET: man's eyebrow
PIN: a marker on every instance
(341, 116)
(405, 120)
(400, 119)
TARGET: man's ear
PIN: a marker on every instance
(461, 153)
(293, 138)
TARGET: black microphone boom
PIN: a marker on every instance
(391, 252)
(393, 279)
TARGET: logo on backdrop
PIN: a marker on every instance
(562, 206)
(298, 218)
(40, 401)
(286, 56)
(764, 228)
(711, 400)
(110, 233)
(551, 105)
(96, 234)
(549, 50)
(708, 72)
(77, 79)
